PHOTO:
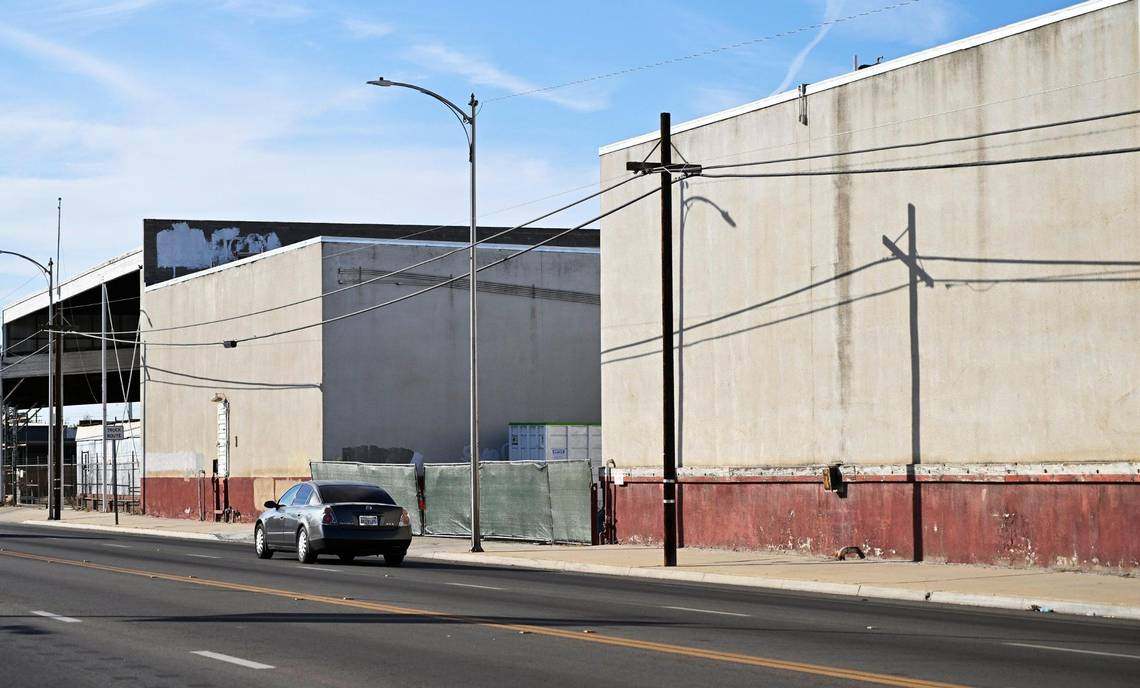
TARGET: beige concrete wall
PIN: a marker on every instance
(273, 386)
(407, 385)
(1011, 371)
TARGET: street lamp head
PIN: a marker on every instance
(381, 82)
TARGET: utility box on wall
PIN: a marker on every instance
(556, 442)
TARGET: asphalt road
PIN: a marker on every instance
(92, 609)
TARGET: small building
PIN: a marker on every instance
(992, 417)
(314, 370)
(117, 474)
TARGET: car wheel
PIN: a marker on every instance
(394, 558)
(305, 552)
(260, 544)
(347, 558)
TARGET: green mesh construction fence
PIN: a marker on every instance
(446, 509)
(517, 499)
(570, 500)
(398, 480)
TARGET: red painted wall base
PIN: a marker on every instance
(194, 498)
(1070, 525)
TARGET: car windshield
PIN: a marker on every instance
(332, 494)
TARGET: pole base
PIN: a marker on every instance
(477, 548)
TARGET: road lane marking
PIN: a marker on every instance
(320, 568)
(232, 660)
(55, 617)
(472, 585)
(598, 638)
(203, 556)
(111, 544)
(1069, 649)
(705, 611)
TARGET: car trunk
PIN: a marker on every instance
(349, 515)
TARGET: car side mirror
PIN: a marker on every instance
(271, 504)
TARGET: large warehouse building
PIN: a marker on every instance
(991, 418)
(380, 385)
(224, 426)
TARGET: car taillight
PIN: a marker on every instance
(405, 519)
(328, 516)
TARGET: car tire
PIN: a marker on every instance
(394, 558)
(346, 558)
(305, 552)
(261, 543)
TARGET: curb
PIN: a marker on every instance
(848, 589)
(127, 530)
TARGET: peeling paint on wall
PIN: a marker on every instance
(188, 248)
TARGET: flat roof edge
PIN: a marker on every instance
(112, 268)
(874, 70)
(360, 240)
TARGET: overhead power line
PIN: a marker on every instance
(390, 302)
(929, 142)
(921, 168)
(706, 53)
(386, 275)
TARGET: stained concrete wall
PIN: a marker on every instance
(407, 385)
(1010, 370)
(273, 386)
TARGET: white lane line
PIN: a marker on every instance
(232, 660)
(472, 585)
(321, 568)
(56, 617)
(705, 611)
(1069, 649)
(111, 544)
(203, 556)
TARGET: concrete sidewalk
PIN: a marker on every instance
(1088, 594)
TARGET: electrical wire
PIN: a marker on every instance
(464, 247)
(405, 297)
(930, 142)
(24, 358)
(941, 113)
(922, 168)
(488, 266)
(705, 53)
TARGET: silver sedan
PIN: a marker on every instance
(333, 517)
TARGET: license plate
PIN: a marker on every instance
(369, 520)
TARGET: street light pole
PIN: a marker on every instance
(47, 270)
(467, 121)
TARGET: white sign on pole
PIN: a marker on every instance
(113, 432)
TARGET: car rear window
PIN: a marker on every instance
(332, 494)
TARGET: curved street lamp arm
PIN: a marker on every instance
(44, 269)
(463, 117)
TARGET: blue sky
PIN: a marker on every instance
(257, 109)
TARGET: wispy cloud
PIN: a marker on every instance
(268, 9)
(71, 60)
(482, 73)
(359, 28)
(84, 9)
(834, 7)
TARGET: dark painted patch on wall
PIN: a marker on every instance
(172, 248)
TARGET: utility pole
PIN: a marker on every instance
(56, 467)
(476, 534)
(666, 168)
(57, 485)
(102, 482)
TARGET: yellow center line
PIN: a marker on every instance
(665, 648)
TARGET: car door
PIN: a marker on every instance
(275, 527)
(294, 513)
